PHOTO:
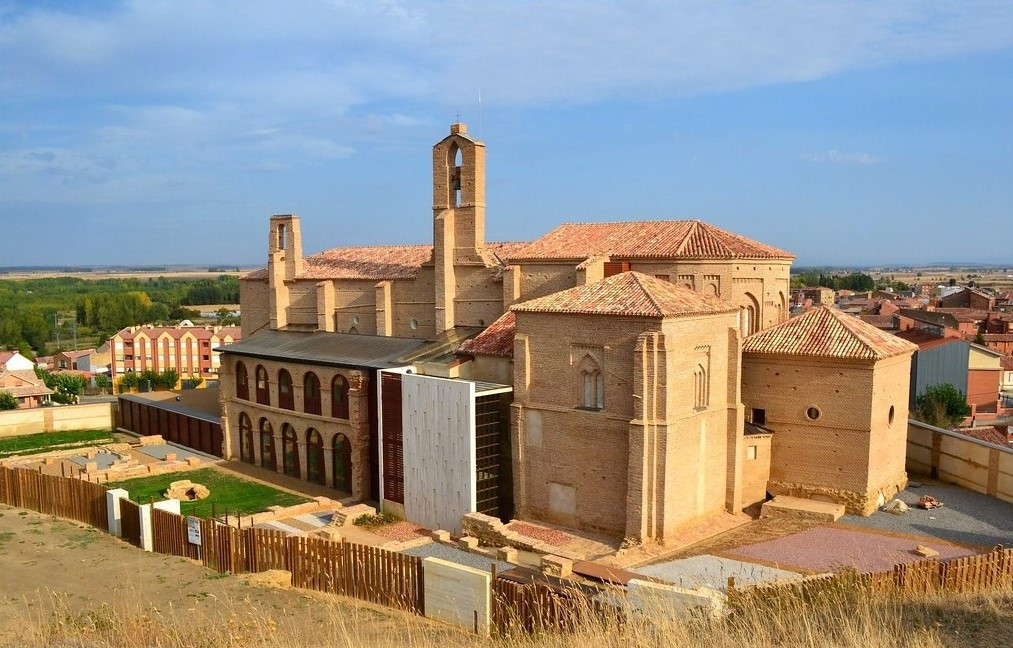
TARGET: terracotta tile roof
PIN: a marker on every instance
(6, 355)
(496, 340)
(646, 240)
(1006, 362)
(827, 333)
(22, 383)
(378, 262)
(924, 339)
(998, 337)
(78, 354)
(628, 293)
(884, 322)
(987, 433)
(965, 314)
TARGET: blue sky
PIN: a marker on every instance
(168, 131)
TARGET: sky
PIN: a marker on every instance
(848, 132)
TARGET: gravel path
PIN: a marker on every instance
(713, 572)
(967, 517)
(826, 549)
(437, 550)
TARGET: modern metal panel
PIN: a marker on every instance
(942, 364)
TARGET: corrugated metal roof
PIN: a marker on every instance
(174, 406)
(328, 349)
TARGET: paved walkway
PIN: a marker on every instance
(833, 548)
(459, 556)
(967, 517)
(713, 572)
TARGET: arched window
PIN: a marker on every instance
(594, 389)
(311, 393)
(289, 450)
(701, 388)
(267, 458)
(242, 382)
(750, 315)
(286, 399)
(245, 438)
(342, 458)
(339, 397)
(263, 391)
(590, 383)
(315, 458)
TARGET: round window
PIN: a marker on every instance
(891, 415)
(812, 413)
(414, 323)
(355, 319)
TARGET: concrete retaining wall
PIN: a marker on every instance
(457, 594)
(955, 458)
(91, 416)
(661, 602)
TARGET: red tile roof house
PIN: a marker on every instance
(13, 361)
(25, 386)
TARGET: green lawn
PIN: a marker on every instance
(32, 443)
(227, 492)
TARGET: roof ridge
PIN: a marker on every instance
(650, 295)
(694, 226)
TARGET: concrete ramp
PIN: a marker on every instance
(797, 507)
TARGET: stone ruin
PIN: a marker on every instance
(186, 491)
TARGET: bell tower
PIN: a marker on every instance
(284, 262)
(458, 215)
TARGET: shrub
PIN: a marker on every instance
(8, 401)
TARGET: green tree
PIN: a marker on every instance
(8, 401)
(102, 382)
(942, 405)
(979, 339)
(168, 379)
(148, 380)
(128, 382)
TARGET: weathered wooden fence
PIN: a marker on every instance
(979, 573)
(73, 499)
(368, 573)
(543, 607)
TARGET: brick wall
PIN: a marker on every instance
(849, 453)
(356, 428)
(755, 468)
(651, 460)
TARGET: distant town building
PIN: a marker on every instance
(188, 349)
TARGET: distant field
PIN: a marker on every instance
(983, 278)
(126, 274)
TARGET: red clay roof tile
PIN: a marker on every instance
(646, 240)
(378, 262)
(827, 333)
(628, 293)
(496, 340)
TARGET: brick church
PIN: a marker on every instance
(628, 378)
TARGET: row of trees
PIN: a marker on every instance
(857, 281)
(149, 380)
(33, 312)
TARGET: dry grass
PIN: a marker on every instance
(849, 620)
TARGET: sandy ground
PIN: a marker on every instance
(52, 569)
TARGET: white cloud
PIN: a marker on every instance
(178, 87)
(838, 157)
